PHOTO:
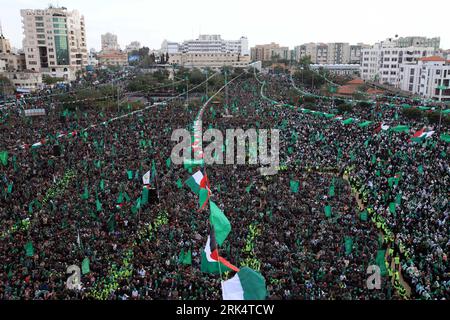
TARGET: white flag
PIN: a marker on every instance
(146, 178)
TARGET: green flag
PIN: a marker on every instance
(363, 215)
(145, 193)
(294, 186)
(179, 184)
(328, 211)
(219, 221)
(85, 195)
(29, 250)
(380, 261)
(4, 157)
(392, 207)
(85, 266)
(331, 191)
(98, 205)
(130, 174)
(348, 245)
(168, 161)
(187, 258)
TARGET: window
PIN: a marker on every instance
(39, 24)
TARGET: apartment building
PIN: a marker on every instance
(211, 60)
(267, 52)
(381, 62)
(55, 41)
(109, 42)
(428, 77)
(207, 44)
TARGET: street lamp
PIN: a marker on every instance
(441, 88)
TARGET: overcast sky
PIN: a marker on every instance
(287, 22)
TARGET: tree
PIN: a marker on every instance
(6, 87)
(48, 80)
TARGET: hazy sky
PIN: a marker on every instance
(288, 22)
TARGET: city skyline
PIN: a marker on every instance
(126, 21)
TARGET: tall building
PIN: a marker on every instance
(55, 41)
(355, 52)
(404, 42)
(317, 52)
(207, 44)
(133, 46)
(382, 61)
(338, 53)
(267, 52)
(109, 42)
(426, 76)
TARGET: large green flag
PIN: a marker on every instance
(98, 205)
(85, 195)
(348, 245)
(328, 211)
(85, 266)
(392, 207)
(294, 186)
(130, 174)
(29, 250)
(4, 157)
(186, 258)
(331, 191)
(219, 221)
(145, 193)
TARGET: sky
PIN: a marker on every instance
(287, 22)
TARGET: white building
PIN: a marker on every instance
(55, 41)
(381, 63)
(133, 46)
(2, 66)
(209, 60)
(425, 76)
(338, 69)
(109, 42)
(170, 47)
(207, 44)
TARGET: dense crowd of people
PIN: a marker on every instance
(86, 203)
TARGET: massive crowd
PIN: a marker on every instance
(84, 203)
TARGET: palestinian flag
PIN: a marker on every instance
(247, 284)
(382, 126)
(421, 135)
(198, 181)
(211, 261)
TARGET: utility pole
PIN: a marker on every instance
(118, 98)
(226, 89)
(206, 83)
(187, 90)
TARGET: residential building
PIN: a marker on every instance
(338, 53)
(133, 46)
(29, 80)
(425, 76)
(2, 66)
(55, 41)
(207, 44)
(382, 61)
(355, 52)
(109, 42)
(267, 52)
(12, 60)
(405, 42)
(338, 69)
(170, 47)
(211, 60)
(112, 58)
